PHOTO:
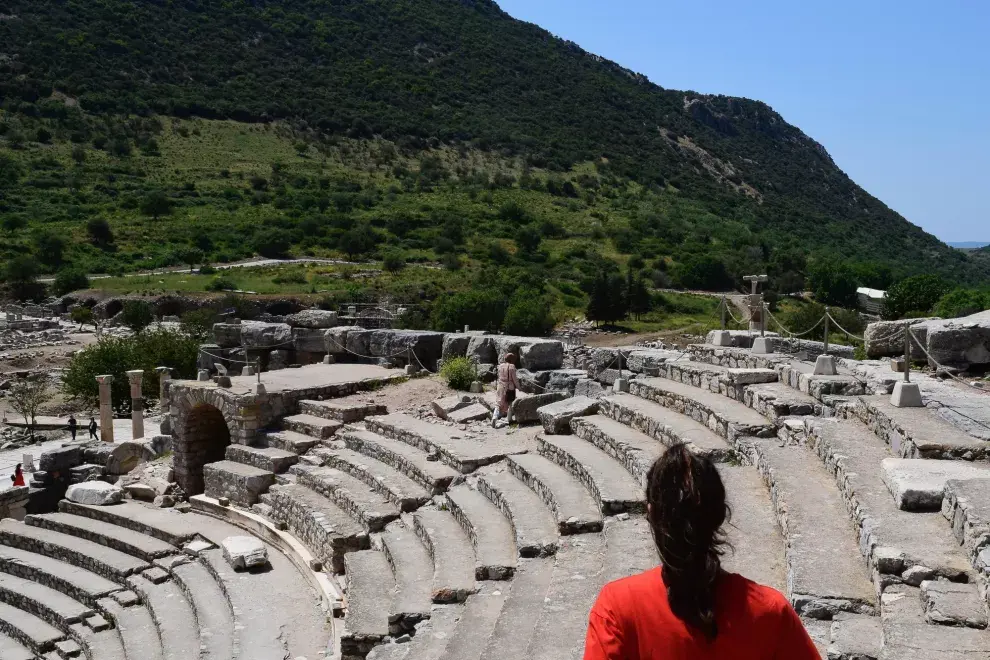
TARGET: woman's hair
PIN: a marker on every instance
(18, 467)
(686, 513)
(510, 358)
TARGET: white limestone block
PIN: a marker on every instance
(243, 552)
(95, 493)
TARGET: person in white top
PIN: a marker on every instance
(508, 383)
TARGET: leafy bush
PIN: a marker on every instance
(915, 296)
(199, 322)
(482, 310)
(290, 277)
(117, 355)
(207, 269)
(459, 373)
(221, 283)
(69, 280)
(137, 315)
(393, 261)
(528, 315)
(833, 284)
(81, 315)
(962, 302)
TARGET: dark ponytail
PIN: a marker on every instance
(687, 511)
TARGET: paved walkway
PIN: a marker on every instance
(303, 378)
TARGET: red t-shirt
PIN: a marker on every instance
(632, 621)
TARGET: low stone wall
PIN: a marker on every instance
(14, 502)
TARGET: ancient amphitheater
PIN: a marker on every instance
(392, 536)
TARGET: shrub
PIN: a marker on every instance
(393, 261)
(459, 373)
(207, 269)
(291, 277)
(833, 284)
(482, 310)
(137, 315)
(69, 280)
(528, 315)
(915, 296)
(221, 283)
(81, 315)
(199, 322)
(962, 302)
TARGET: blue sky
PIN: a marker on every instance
(897, 91)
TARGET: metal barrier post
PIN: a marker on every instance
(826, 332)
(723, 312)
(907, 354)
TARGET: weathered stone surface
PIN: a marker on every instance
(127, 455)
(358, 342)
(448, 404)
(524, 409)
(542, 354)
(140, 491)
(227, 335)
(336, 339)
(919, 484)
(649, 361)
(886, 338)
(532, 382)
(966, 505)
(313, 318)
(482, 349)
(61, 459)
(97, 493)
(310, 340)
(907, 636)
(556, 417)
(855, 637)
(564, 380)
(471, 413)
(953, 604)
(604, 358)
(588, 387)
(241, 484)
(959, 342)
(243, 552)
(407, 346)
(258, 335)
(455, 345)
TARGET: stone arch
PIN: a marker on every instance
(203, 434)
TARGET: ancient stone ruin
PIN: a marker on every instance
(422, 537)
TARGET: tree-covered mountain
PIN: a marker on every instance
(407, 125)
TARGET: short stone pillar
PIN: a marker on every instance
(164, 382)
(411, 370)
(722, 338)
(620, 385)
(328, 359)
(906, 395)
(247, 370)
(825, 366)
(203, 375)
(106, 408)
(135, 376)
(762, 346)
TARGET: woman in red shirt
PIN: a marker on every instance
(689, 608)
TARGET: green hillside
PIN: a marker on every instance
(441, 131)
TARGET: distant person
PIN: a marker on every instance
(18, 476)
(92, 429)
(506, 388)
(72, 427)
(689, 608)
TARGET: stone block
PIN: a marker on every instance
(317, 319)
(241, 484)
(244, 552)
(855, 637)
(227, 335)
(335, 339)
(278, 360)
(565, 380)
(471, 413)
(61, 459)
(602, 359)
(207, 358)
(358, 343)
(140, 491)
(918, 484)
(589, 388)
(825, 366)
(448, 404)
(455, 346)
(95, 493)
(482, 349)
(886, 338)
(524, 410)
(309, 340)
(399, 344)
(256, 335)
(953, 604)
(959, 342)
(556, 417)
(649, 361)
(906, 395)
(542, 354)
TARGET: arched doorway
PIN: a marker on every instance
(203, 439)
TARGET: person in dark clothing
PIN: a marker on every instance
(92, 428)
(72, 426)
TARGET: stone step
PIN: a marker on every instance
(417, 464)
(967, 508)
(82, 585)
(318, 427)
(757, 547)
(572, 505)
(452, 553)
(44, 602)
(369, 586)
(213, 613)
(105, 644)
(401, 490)
(125, 540)
(137, 630)
(826, 573)
(173, 615)
(533, 524)
(450, 445)
(357, 498)
(478, 621)
(257, 633)
(901, 545)
(11, 649)
(28, 629)
(326, 529)
(636, 451)
(241, 484)
(918, 484)
(164, 524)
(489, 530)
(729, 419)
(513, 631)
(412, 568)
(906, 633)
(562, 622)
(613, 487)
(775, 401)
(725, 381)
(345, 412)
(111, 564)
(269, 459)
(919, 432)
(663, 425)
(290, 441)
(801, 376)
(431, 640)
(954, 604)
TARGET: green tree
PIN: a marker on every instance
(68, 280)
(607, 300)
(358, 241)
(50, 249)
(156, 204)
(705, 273)
(13, 222)
(962, 302)
(273, 243)
(79, 154)
(528, 315)
(10, 171)
(914, 296)
(480, 309)
(528, 239)
(191, 256)
(81, 315)
(99, 232)
(640, 300)
(20, 276)
(833, 283)
(393, 261)
(137, 315)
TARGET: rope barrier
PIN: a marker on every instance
(829, 314)
(939, 365)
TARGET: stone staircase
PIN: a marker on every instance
(129, 582)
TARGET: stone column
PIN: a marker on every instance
(164, 380)
(106, 409)
(137, 403)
